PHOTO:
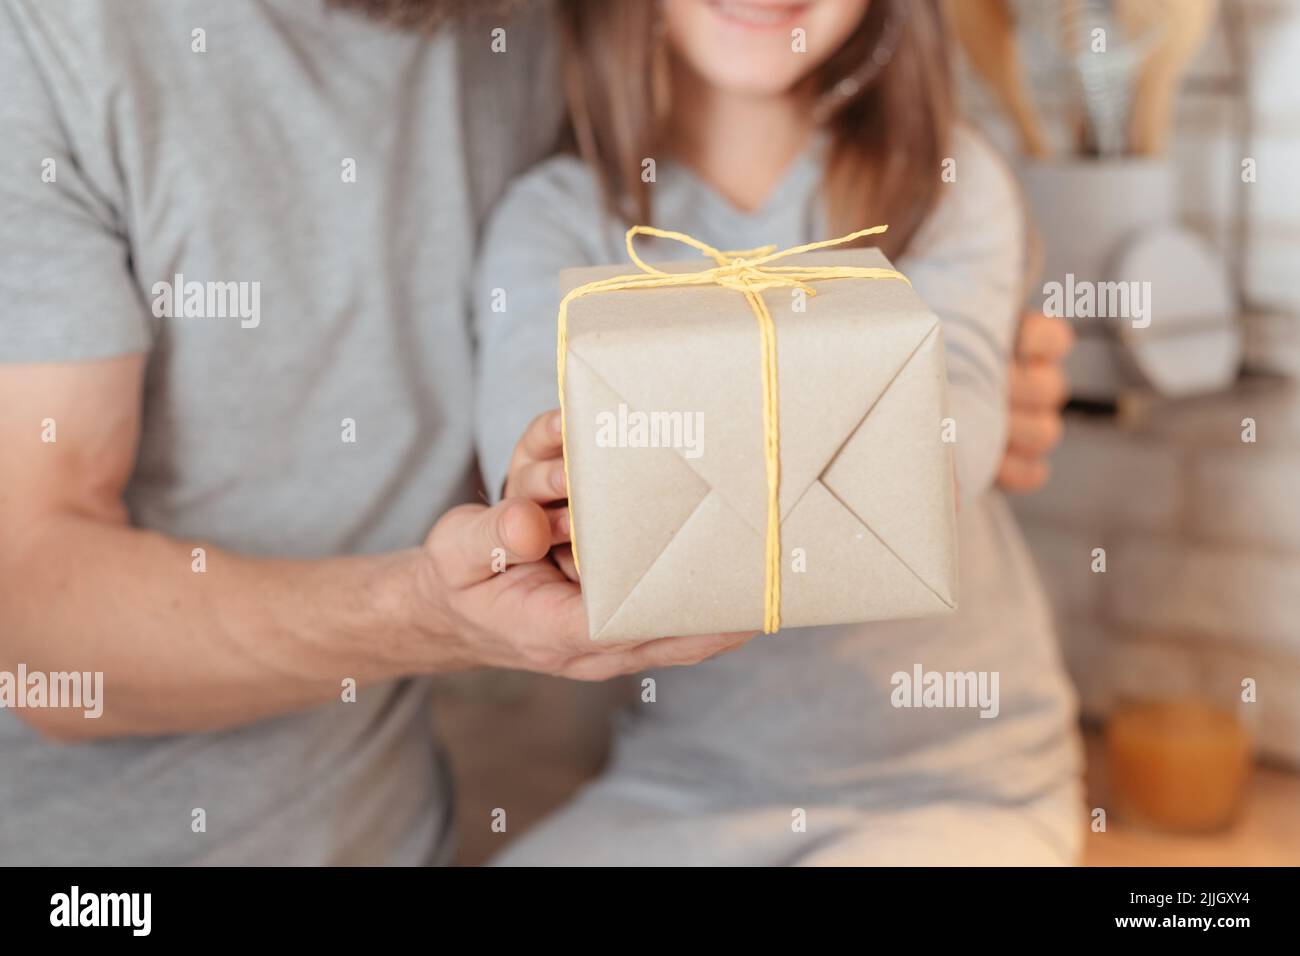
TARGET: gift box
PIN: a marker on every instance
(732, 471)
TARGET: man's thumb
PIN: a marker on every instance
(471, 543)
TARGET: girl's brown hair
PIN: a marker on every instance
(885, 95)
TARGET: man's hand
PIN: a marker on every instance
(530, 615)
(1038, 389)
(506, 580)
(509, 604)
(536, 472)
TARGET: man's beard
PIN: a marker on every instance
(429, 15)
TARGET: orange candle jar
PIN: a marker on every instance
(1178, 763)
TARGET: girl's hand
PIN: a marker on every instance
(1038, 390)
(537, 473)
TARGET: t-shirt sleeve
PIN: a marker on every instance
(967, 263)
(536, 231)
(65, 274)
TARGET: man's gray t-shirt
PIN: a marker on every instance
(316, 166)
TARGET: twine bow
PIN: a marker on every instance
(748, 272)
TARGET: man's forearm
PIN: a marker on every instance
(191, 650)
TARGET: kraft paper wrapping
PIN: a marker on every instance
(672, 538)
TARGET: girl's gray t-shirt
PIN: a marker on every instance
(807, 713)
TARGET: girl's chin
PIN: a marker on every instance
(752, 83)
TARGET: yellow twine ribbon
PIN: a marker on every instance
(745, 271)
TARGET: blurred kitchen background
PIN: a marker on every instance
(1182, 451)
(1170, 156)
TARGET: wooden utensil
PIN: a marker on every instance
(1181, 26)
(987, 33)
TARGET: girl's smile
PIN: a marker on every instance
(758, 47)
(751, 15)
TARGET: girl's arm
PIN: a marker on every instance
(967, 264)
(548, 221)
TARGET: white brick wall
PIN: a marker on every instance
(1247, 496)
(1202, 539)
(1236, 596)
(1141, 484)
